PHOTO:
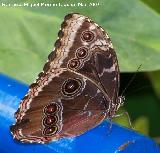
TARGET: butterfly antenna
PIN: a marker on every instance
(131, 80)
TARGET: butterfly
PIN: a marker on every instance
(77, 89)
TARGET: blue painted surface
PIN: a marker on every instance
(97, 140)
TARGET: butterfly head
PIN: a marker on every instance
(121, 100)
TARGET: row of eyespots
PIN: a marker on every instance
(50, 119)
(82, 52)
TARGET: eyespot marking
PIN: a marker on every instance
(49, 131)
(87, 36)
(71, 87)
(74, 64)
(50, 120)
(51, 109)
(82, 52)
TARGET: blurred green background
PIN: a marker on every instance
(27, 35)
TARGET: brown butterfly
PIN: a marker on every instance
(77, 89)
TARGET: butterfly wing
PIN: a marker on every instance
(80, 34)
(71, 95)
(96, 59)
(108, 73)
(67, 106)
(101, 65)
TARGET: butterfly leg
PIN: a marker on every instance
(110, 126)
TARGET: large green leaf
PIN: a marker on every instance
(27, 34)
(142, 125)
(154, 4)
(143, 108)
(26, 39)
(155, 80)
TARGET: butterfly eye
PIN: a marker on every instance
(51, 109)
(71, 87)
(48, 131)
(87, 36)
(49, 120)
(74, 64)
(82, 52)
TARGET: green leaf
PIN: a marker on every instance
(26, 39)
(144, 104)
(153, 3)
(27, 34)
(142, 125)
(155, 80)
(121, 118)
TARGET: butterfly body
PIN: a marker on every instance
(77, 89)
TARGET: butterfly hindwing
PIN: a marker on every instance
(53, 113)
